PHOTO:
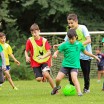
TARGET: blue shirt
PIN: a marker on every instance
(88, 48)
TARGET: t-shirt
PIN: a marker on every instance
(7, 51)
(1, 49)
(71, 54)
(29, 47)
(82, 29)
(101, 56)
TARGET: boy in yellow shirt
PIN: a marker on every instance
(8, 51)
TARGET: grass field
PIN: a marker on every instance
(32, 92)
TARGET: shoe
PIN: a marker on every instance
(80, 94)
(1, 85)
(98, 81)
(55, 90)
(15, 88)
(86, 91)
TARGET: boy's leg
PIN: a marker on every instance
(69, 78)
(45, 72)
(74, 74)
(99, 76)
(38, 73)
(85, 66)
(1, 76)
(8, 76)
(60, 76)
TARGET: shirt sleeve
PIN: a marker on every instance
(61, 47)
(82, 47)
(1, 49)
(9, 50)
(28, 45)
(47, 46)
(85, 31)
(102, 55)
(66, 38)
(3, 60)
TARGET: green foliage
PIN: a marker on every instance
(24, 71)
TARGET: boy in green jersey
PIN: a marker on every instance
(2, 65)
(71, 62)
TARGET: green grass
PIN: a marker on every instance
(32, 92)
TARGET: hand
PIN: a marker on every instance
(28, 59)
(55, 46)
(40, 57)
(18, 63)
(54, 55)
(97, 58)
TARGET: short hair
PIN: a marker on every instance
(34, 27)
(98, 48)
(71, 33)
(72, 17)
(2, 34)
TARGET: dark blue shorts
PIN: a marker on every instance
(67, 70)
(100, 68)
(8, 67)
(38, 70)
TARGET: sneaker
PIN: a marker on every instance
(55, 90)
(80, 94)
(15, 88)
(1, 85)
(86, 91)
(98, 81)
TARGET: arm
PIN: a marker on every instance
(45, 55)
(15, 60)
(27, 57)
(88, 40)
(86, 35)
(57, 45)
(3, 61)
(89, 54)
(55, 54)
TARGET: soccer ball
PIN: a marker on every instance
(69, 90)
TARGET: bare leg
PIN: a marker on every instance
(99, 75)
(8, 76)
(59, 77)
(49, 78)
(75, 81)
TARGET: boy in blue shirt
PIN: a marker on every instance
(85, 39)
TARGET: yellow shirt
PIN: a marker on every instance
(7, 51)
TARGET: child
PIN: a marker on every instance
(85, 39)
(2, 66)
(8, 51)
(100, 64)
(40, 53)
(71, 62)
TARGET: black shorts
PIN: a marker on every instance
(38, 70)
(100, 68)
(67, 70)
(1, 76)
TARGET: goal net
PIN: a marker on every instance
(58, 37)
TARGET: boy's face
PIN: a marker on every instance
(2, 39)
(98, 51)
(72, 24)
(72, 40)
(35, 33)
